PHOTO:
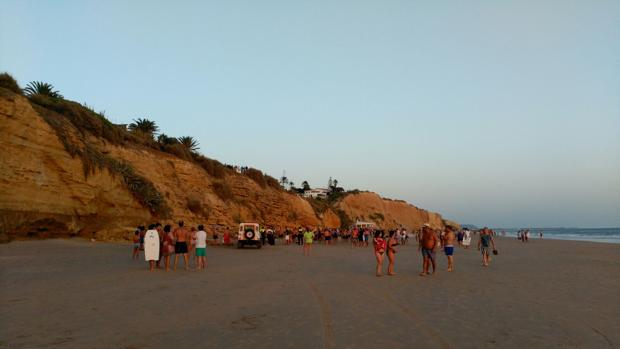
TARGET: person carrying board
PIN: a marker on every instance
(151, 246)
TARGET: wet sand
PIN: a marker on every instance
(78, 294)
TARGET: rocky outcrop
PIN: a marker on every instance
(388, 213)
(44, 191)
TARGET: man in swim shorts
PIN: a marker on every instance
(180, 247)
(427, 244)
(449, 246)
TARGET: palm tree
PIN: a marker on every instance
(41, 88)
(190, 143)
(144, 126)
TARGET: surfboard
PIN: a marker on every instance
(151, 245)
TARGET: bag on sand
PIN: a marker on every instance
(495, 252)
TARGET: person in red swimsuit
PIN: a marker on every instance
(379, 244)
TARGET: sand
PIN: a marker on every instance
(79, 294)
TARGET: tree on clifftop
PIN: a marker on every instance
(305, 185)
(189, 143)
(41, 88)
(143, 127)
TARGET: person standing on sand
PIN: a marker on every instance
(391, 251)
(428, 243)
(180, 248)
(201, 248)
(379, 245)
(466, 238)
(160, 231)
(227, 237)
(449, 247)
(168, 246)
(151, 238)
(308, 238)
(136, 244)
(484, 243)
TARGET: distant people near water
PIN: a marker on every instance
(201, 248)
(136, 244)
(541, 234)
(527, 235)
(181, 236)
(427, 245)
(448, 246)
(459, 238)
(151, 246)
(466, 238)
(379, 245)
(485, 242)
(168, 246)
(391, 251)
(308, 237)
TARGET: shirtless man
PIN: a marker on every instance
(428, 242)
(448, 243)
(181, 236)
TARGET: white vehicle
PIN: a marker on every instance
(249, 234)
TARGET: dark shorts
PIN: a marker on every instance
(449, 250)
(180, 247)
(327, 238)
(428, 253)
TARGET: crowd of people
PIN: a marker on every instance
(189, 244)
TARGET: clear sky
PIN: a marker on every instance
(500, 113)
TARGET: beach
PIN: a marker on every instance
(73, 293)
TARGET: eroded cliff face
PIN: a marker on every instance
(388, 214)
(44, 191)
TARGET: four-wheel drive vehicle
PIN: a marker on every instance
(248, 234)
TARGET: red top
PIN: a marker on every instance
(379, 245)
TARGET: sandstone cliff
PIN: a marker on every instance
(47, 190)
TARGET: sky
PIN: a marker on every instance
(498, 113)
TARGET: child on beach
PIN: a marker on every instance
(136, 244)
(379, 244)
(391, 252)
(201, 248)
(448, 239)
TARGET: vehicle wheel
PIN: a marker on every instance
(239, 244)
(249, 235)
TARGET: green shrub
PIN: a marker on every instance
(223, 191)
(9, 83)
(257, 176)
(93, 160)
(377, 216)
(213, 167)
(345, 220)
(83, 118)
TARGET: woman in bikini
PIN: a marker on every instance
(391, 251)
(168, 246)
(379, 245)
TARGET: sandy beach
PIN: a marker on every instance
(79, 294)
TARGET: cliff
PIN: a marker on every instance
(57, 179)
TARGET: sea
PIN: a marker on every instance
(608, 235)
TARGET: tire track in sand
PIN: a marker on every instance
(326, 318)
